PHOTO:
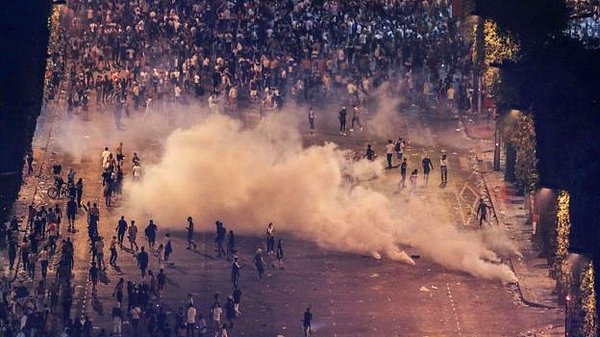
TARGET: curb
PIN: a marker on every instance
(492, 201)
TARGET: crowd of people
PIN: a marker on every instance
(153, 54)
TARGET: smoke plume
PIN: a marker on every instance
(217, 169)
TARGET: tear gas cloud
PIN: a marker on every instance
(216, 169)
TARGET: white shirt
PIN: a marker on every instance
(443, 162)
(105, 155)
(389, 148)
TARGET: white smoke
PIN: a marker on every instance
(217, 169)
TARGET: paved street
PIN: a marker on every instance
(350, 295)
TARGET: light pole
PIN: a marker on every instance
(497, 140)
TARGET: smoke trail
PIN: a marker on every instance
(249, 177)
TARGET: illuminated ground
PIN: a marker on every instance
(350, 295)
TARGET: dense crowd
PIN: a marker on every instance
(146, 52)
(155, 55)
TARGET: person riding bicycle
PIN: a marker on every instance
(58, 183)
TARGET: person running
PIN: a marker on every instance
(190, 233)
(342, 118)
(355, 118)
(427, 167)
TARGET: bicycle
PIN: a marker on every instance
(53, 192)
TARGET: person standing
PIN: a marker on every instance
(121, 230)
(444, 168)
(119, 153)
(413, 180)
(342, 117)
(142, 260)
(235, 272)
(403, 168)
(118, 291)
(307, 323)
(105, 155)
(219, 238)
(482, 210)
(135, 314)
(113, 251)
(370, 153)
(259, 262)
(99, 246)
(71, 212)
(427, 167)
(190, 320)
(389, 153)
(216, 312)
(311, 120)
(117, 316)
(229, 311)
(168, 247)
(270, 238)
(399, 148)
(161, 282)
(231, 251)
(279, 252)
(43, 257)
(190, 233)
(79, 191)
(132, 235)
(237, 298)
(150, 232)
(30, 163)
(93, 276)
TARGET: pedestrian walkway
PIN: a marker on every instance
(535, 287)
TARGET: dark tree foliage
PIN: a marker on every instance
(23, 25)
(559, 81)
